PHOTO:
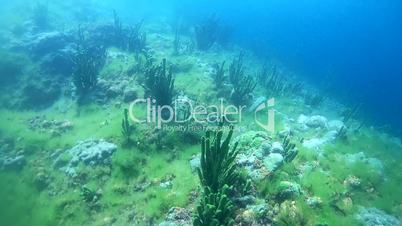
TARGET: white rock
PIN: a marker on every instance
(335, 124)
(277, 148)
(90, 152)
(376, 217)
(302, 119)
(195, 162)
(273, 161)
(317, 121)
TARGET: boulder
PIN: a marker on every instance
(273, 161)
(375, 217)
(288, 190)
(266, 148)
(14, 163)
(277, 148)
(90, 152)
(251, 141)
(317, 121)
(195, 162)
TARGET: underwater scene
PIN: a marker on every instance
(204, 113)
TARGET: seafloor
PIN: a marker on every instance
(64, 163)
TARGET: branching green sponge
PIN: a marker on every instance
(218, 175)
(215, 209)
(218, 166)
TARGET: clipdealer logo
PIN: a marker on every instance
(184, 111)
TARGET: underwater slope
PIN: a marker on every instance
(71, 153)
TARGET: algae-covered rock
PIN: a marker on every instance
(374, 163)
(14, 163)
(254, 215)
(195, 162)
(90, 152)
(288, 190)
(273, 161)
(178, 217)
(317, 121)
(314, 201)
(251, 141)
(376, 217)
(352, 182)
(277, 148)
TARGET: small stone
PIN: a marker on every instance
(167, 184)
(352, 182)
(195, 162)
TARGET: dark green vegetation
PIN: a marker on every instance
(219, 75)
(159, 83)
(218, 175)
(243, 85)
(88, 61)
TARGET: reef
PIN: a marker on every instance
(71, 153)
